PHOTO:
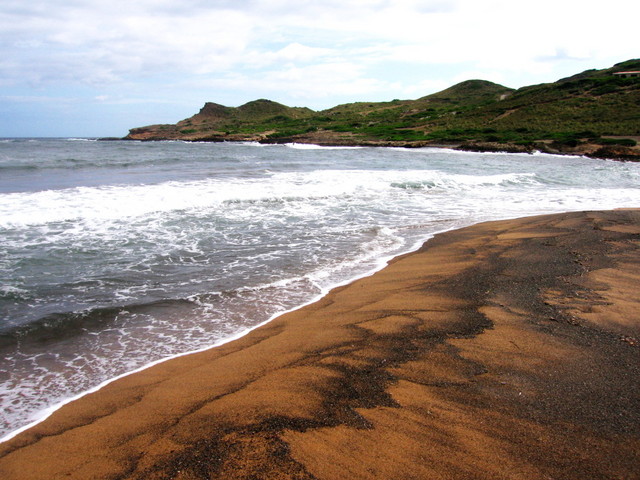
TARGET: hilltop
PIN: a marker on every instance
(596, 112)
(217, 123)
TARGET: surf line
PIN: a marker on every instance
(380, 264)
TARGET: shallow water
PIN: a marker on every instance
(117, 254)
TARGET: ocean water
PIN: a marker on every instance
(117, 254)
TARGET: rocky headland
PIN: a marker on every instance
(594, 113)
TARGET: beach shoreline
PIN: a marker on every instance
(586, 149)
(504, 349)
(589, 150)
(46, 413)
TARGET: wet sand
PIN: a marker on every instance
(506, 350)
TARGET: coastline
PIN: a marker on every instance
(506, 348)
(590, 150)
(587, 114)
(46, 413)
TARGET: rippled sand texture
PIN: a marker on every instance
(507, 350)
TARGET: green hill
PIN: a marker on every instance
(216, 122)
(588, 105)
(595, 108)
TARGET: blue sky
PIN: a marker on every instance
(96, 68)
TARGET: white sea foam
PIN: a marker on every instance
(310, 146)
(119, 202)
(13, 290)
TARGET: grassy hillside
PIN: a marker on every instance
(594, 107)
(408, 120)
(588, 105)
(215, 122)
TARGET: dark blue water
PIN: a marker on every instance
(117, 254)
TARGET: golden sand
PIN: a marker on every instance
(507, 350)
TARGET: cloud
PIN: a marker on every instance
(296, 52)
(97, 43)
(102, 45)
(309, 82)
(39, 99)
(299, 50)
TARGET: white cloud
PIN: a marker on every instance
(311, 82)
(102, 42)
(35, 99)
(423, 88)
(296, 52)
(101, 45)
(301, 50)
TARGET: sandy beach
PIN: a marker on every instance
(506, 350)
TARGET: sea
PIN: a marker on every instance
(115, 255)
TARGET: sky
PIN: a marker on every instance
(96, 68)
